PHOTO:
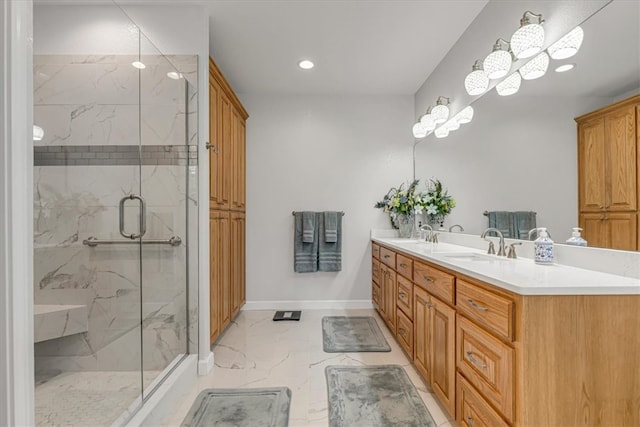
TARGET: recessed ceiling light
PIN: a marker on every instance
(138, 65)
(305, 64)
(174, 75)
(565, 67)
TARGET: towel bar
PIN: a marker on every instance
(294, 213)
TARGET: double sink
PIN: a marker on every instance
(449, 252)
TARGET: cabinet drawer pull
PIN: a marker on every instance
(476, 362)
(427, 278)
(470, 422)
(402, 332)
(386, 256)
(428, 305)
(403, 265)
(476, 306)
(402, 294)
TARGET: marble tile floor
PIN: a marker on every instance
(84, 399)
(258, 352)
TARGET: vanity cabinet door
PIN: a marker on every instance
(591, 161)
(422, 337)
(443, 323)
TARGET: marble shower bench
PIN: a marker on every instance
(57, 321)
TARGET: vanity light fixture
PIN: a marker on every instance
(568, 45)
(440, 112)
(305, 64)
(427, 121)
(419, 131)
(174, 75)
(476, 82)
(535, 68)
(510, 85)
(38, 133)
(466, 115)
(452, 124)
(529, 38)
(139, 65)
(498, 63)
(565, 67)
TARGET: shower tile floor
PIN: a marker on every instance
(258, 352)
(86, 399)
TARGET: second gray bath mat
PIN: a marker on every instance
(350, 334)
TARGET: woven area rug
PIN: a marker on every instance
(257, 407)
(343, 334)
(381, 396)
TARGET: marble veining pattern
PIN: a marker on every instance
(257, 352)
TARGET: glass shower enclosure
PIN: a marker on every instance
(115, 213)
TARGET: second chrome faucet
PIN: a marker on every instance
(501, 247)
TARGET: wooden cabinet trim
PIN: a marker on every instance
(404, 333)
(635, 99)
(472, 410)
(214, 72)
(404, 296)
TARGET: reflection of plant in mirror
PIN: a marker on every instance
(401, 203)
(438, 203)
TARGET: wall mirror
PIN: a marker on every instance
(520, 152)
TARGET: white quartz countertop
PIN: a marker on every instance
(522, 276)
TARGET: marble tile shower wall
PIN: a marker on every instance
(103, 105)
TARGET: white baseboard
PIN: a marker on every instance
(205, 366)
(307, 305)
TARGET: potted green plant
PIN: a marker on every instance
(437, 203)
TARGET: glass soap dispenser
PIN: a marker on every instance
(576, 239)
(543, 246)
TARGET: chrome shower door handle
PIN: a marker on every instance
(143, 217)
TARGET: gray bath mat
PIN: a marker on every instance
(342, 334)
(380, 396)
(250, 407)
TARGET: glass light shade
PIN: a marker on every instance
(452, 124)
(38, 133)
(442, 132)
(419, 131)
(466, 115)
(510, 85)
(568, 45)
(527, 41)
(440, 113)
(497, 64)
(476, 82)
(535, 68)
(427, 122)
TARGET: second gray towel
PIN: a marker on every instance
(308, 226)
(329, 253)
(305, 255)
(331, 226)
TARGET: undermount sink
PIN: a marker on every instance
(474, 257)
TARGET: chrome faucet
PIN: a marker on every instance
(454, 226)
(535, 230)
(501, 248)
(429, 230)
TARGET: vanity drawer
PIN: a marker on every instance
(404, 299)
(404, 266)
(473, 410)
(375, 270)
(375, 295)
(487, 308)
(388, 257)
(375, 250)
(487, 363)
(436, 282)
(404, 333)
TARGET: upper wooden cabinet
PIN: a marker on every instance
(227, 136)
(607, 157)
(608, 178)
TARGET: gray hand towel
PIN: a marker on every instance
(329, 253)
(308, 226)
(331, 226)
(305, 255)
(524, 221)
(503, 221)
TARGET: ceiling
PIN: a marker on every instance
(358, 46)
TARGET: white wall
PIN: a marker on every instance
(483, 163)
(319, 153)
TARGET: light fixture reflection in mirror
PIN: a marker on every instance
(419, 131)
(476, 82)
(427, 122)
(568, 45)
(529, 38)
(510, 85)
(498, 63)
(535, 68)
(466, 115)
(442, 132)
(440, 112)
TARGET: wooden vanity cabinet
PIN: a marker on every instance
(608, 179)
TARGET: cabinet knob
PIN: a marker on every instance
(212, 147)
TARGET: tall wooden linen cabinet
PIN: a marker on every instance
(227, 201)
(608, 177)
